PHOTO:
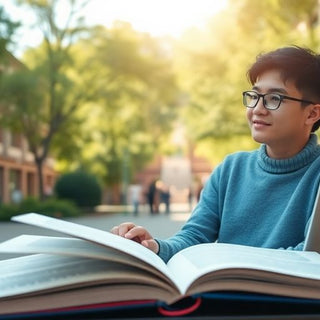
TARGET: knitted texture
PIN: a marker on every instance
(254, 200)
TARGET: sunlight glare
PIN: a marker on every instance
(156, 17)
(163, 17)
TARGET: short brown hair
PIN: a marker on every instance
(300, 65)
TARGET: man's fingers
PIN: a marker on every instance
(115, 230)
(137, 232)
(130, 231)
(151, 244)
(123, 228)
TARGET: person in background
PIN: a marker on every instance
(165, 197)
(262, 198)
(151, 196)
(135, 191)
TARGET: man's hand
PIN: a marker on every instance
(139, 234)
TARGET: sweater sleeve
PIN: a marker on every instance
(202, 226)
(300, 246)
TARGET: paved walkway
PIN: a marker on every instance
(160, 225)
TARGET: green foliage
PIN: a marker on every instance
(7, 30)
(52, 207)
(80, 187)
(213, 64)
(23, 91)
(59, 208)
(44, 98)
(117, 93)
(133, 107)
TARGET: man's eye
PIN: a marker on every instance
(274, 98)
(252, 96)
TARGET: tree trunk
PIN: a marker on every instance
(39, 166)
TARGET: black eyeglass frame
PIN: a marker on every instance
(281, 98)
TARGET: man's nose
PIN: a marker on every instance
(260, 108)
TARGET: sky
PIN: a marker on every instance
(157, 17)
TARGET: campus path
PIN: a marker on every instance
(160, 225)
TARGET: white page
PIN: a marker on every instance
(204, 258)
(312, 241)
(42, 272)
(30, 244)
(102, 237)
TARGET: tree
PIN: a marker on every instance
(7, 29)
(49, 104)
(134, 105)
(213, 65)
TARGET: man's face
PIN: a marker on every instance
(283, 130)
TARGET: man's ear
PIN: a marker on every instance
(314, 114)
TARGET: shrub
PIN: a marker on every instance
(7, 211)
(80, 187)
(51, 207)
(59, 208)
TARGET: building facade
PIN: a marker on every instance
(18, 173)
(184, 175)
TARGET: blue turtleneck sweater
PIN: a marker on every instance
(254, 200)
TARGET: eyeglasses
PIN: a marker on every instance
(271, 101)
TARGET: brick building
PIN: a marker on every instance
(17, 169)
(183, 174)
(18, 175)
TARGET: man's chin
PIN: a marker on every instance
(258, 138)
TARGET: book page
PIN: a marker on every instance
(312, 240)
(41, 273)
(203, 259)
(30, 244)
(99, 236)
(87, 297)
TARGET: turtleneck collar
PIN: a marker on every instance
(303, 158)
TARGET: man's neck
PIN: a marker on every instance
(286, 150)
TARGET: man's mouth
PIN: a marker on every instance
(260, 123)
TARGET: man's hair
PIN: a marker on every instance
(299, 65)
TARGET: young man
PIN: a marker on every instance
(262, 198)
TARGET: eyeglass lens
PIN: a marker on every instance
(270, 101)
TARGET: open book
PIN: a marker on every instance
(95, 266)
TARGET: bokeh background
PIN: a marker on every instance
(103, 100)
